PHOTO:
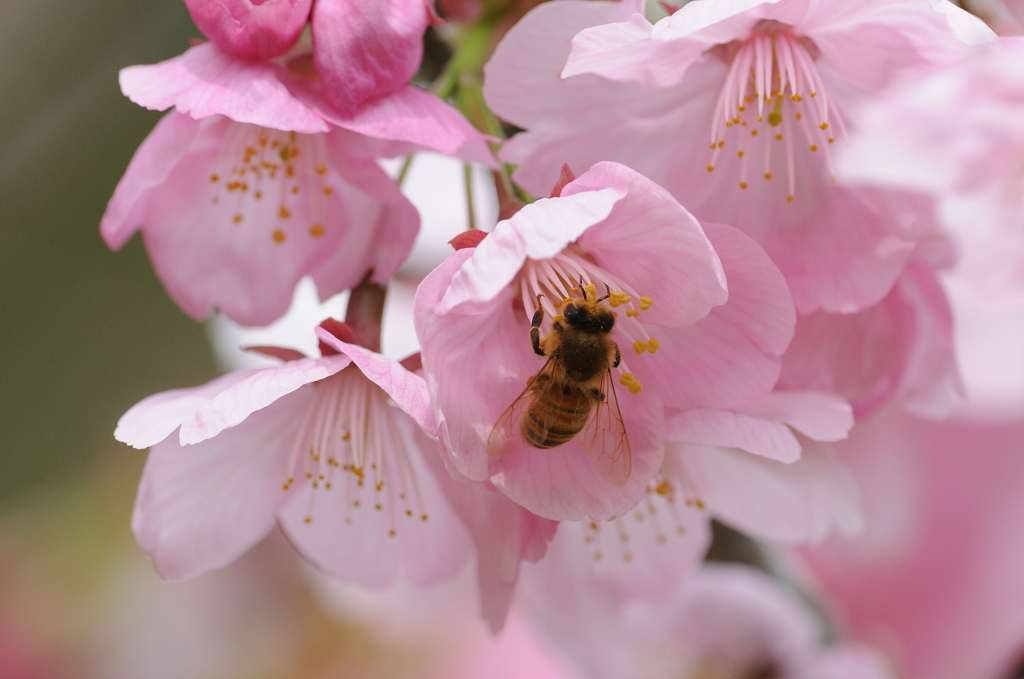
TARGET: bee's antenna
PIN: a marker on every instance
(583, 289)
(608, 293)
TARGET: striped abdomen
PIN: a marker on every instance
(554, 416)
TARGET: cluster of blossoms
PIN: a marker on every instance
(747, 206)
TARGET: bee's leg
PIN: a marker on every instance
(618, 356)
(538, 318)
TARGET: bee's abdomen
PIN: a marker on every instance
(553, 418)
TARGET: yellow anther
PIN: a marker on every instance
(646, 303)
(635, 387)
(741, 109)
(653, 346)
(237, 219)
(639, 346)
(767, 175)
(284, 213)
(632, 313)
(591, 290)
(823, 126)
(328, 190)
(711, 168)
(613, 301)
(215, 178)
(721, 143)
(789, 199)
(743, 185)
(278, 236)
(814, 147)
(779, 137)
(712, 148)
(316, 230)
(626, 379)
(753, 133)
(739, 154)
(799, 115)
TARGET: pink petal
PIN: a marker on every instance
(472, 363)
(236, 403)
(149, 168)
(883, 40)
(628, 52)
(731, 357)
(504, 534)
(650, 241)
(932, 385)
(364, 50)
(564, 483)
(764, 437)
(201, 507)
(820, 416)
(658, 56)
(522, 80)
(796, 502)
(204, 82)
(153, 419)
(538, 231)
(406, 389)
(372, 543)
(251, 29)
(415, 117)
(382, 223)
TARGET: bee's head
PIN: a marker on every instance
(588, 316)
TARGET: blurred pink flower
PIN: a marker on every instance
(613, 228)
(314, 444)
(725, 621)
(656, 97)
(958, 136)
(936, 576)
(254, 181)
(364, 50)
(251, 29)
(901, 348)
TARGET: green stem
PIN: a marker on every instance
(405, 169)
(467, 176)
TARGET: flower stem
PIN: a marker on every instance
(365, 312)
(467, 176)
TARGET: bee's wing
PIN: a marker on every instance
(604, 437)
(507, 426)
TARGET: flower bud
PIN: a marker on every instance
(251, 29)
(364, 50)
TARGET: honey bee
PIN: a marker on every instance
(573, 392)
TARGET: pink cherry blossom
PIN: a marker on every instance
(901, 348)
(935, 576)
(314, 444)
(253, 181)
(958, 136)
(725, 621)
(620, 232)
(748, 467)
(656, 97)
(364, 50)
(251, 29)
